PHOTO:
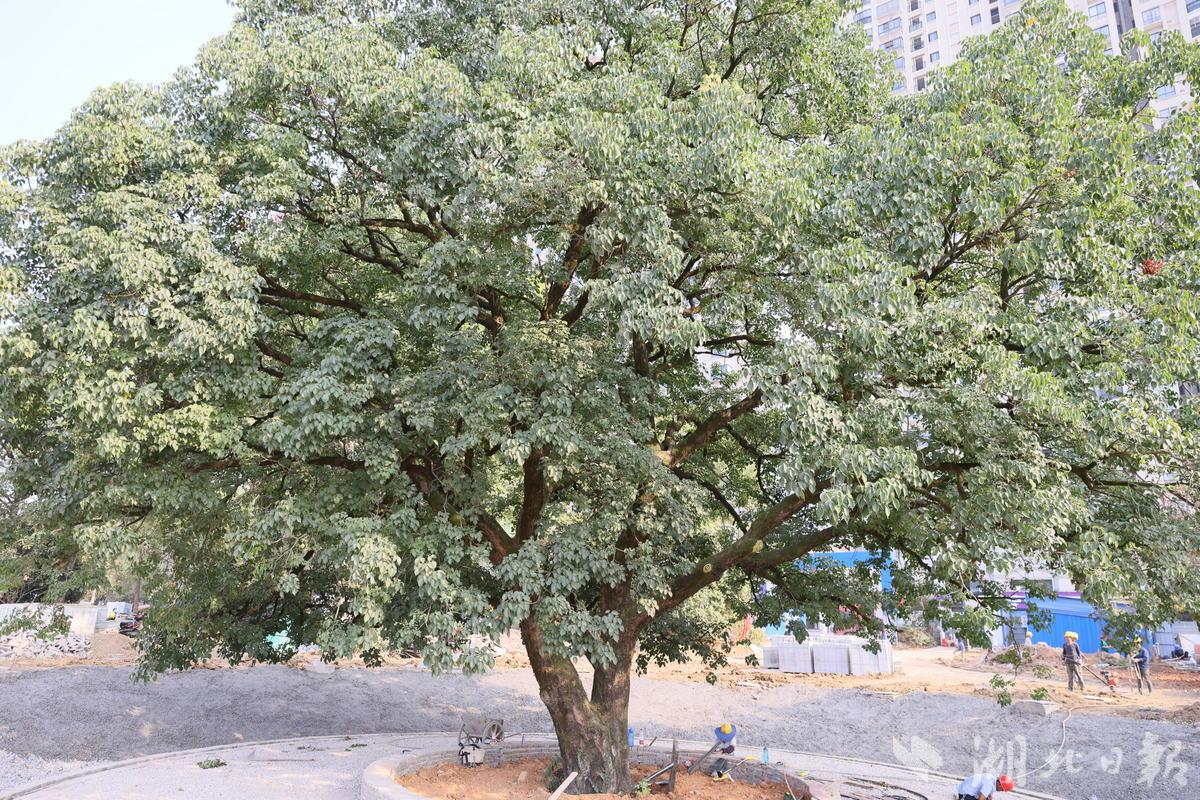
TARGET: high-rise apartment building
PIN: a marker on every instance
(922, 35)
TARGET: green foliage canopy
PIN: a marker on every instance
(394, 323)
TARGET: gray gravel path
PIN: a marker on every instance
(16, 770)
(98, 714)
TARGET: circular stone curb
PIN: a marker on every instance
(379, 778)
(378, 781)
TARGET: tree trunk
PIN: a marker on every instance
(592, 733)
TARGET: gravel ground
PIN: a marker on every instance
(16, 770)
(98, 714)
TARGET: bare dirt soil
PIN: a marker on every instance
(927, 669)
(523, 780)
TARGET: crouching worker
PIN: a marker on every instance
(983, 787)
(726, 743)
(726, 734)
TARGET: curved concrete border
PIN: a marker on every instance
(378, 780)
(35, 786)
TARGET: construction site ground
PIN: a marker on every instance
(938, 712)
(522, 780)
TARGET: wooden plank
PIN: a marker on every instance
(562, 787)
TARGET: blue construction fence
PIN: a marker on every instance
(1068, 612)
(847, 558)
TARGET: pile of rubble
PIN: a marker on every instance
(26, 644)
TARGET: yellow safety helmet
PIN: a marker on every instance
(1071, 635)
(726, 727)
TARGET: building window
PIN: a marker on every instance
(913, 5)
(1192, 5)
(918, 43)
(1196, 27)
(1154, 37)
(976, 19)
(890, 25)
(918, 63)
(887, 8)
(914, 24)
(1098, 10)
(932, 15)
(932, 36)
(894, 44)
(863, 17)
(1151, 15)
(1166, 91)
(1103, 31)
(899, 62)
(1011, 2)
(972, 2)
(920, 84)
(935, 57)
(995, 16)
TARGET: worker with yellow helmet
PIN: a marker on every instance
(1072, 657)
(726, 734)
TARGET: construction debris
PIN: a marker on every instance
(26, 644)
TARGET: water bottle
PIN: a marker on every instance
(631, 738)
(766, 755)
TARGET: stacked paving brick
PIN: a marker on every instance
(835, 655)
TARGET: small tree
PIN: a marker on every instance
(390, 323)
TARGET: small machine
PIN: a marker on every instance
(476, 733)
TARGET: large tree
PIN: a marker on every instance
(404, 322)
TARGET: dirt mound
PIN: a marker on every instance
(1184, 715)
(1169, 677)
(524, 780)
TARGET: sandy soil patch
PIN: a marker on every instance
(523, 780)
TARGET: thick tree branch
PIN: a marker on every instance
(717, 494)
(741, 337)
(268, 350)
(710, 427)
(268, 300)
(571, 258)
(711, 569)
(793, 550)
(275, 289)
(533, 495)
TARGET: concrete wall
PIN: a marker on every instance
(83, 616)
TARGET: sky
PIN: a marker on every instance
(55, 52)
